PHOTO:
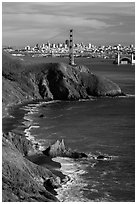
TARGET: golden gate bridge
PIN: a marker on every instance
(119, 59)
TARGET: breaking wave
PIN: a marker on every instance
(72, 188)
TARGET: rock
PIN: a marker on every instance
(49, 187)
(106, 87)
(77, 155)
(47, 151)
(55, 150)
(54, 183)
(44, 89)
(41, 116)
(59, 149)
(20, 142)
(102, 157)
(36, 145)
(50, 184)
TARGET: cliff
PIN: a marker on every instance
(23, 178)
(58, 81)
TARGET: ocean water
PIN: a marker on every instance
(103, 126)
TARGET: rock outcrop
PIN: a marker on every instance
(23, 180)
(70, 83)
(51, 81)
(20, 142)
(59, 149)
(103, 158)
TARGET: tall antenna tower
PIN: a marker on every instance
(71, 53)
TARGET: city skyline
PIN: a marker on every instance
(97, 23)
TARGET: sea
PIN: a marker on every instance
(100, 126)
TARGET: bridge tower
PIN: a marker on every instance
(118, 57)
(132, 58)
(71, 52)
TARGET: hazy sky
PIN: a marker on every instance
(28, 23)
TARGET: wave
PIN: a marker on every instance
(90, 99)
(76, 183)
(27, 130)
(38, 144)
(72, 187)
(30, 109)
(28, 122)
(107, 157)
(127, 96)
(58, 116)
(49, 102)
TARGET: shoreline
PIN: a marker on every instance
(38, 157)
(54, 165)
(41, 160)
(35, 155)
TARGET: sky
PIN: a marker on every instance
(98, 23)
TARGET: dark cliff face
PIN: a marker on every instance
(56, 84)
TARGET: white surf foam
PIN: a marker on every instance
(127, 96)
(49, 102)
(39, 145)
(72, 190)
(84, 100)
(31, 108)
(32, 138)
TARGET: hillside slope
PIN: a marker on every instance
(23, 180)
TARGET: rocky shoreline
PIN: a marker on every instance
(23, 180)
(27, 174)
(31, 177)
(21, 159)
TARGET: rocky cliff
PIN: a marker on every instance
(24, 179)
(50, 81)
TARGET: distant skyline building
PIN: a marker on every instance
(27, 47)
(89, 46)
